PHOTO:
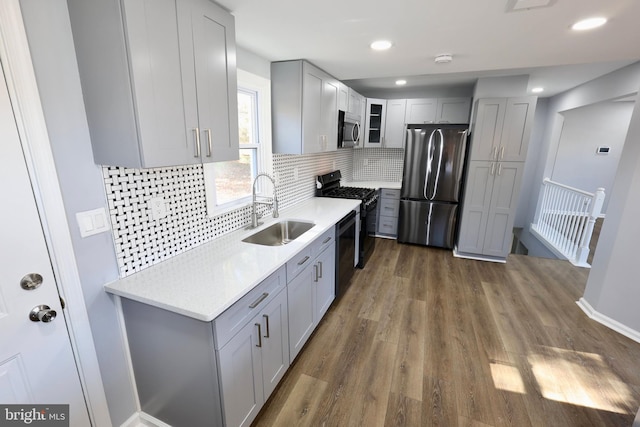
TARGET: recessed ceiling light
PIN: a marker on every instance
(589, 24)
(443, 58)
(401, 82)
(381, 45)
(537, 89)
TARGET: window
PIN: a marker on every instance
(228, 184)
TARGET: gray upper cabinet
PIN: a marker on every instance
(304, 107)
(394, 128)
(437, 110)
(153, 97)
(502, 128)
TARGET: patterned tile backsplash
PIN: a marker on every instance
(141, 241)
(378, 164)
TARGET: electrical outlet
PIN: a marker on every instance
(158, 208)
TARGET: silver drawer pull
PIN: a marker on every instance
(305, 259)
(320, 264)
(326, 240)
(259, 300)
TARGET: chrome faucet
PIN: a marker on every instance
(270, 202)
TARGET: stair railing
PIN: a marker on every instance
(564, 220)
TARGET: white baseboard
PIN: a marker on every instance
(142, 419)
(607, 321)
(477, 257)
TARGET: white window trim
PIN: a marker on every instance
(263, 87)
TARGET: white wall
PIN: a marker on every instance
(612, 288)
(585, 129)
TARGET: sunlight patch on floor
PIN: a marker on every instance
(580, 378)
(507, 378)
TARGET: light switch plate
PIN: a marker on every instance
(92, 222)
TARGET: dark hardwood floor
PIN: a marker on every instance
(422, 338)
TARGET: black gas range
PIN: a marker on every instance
(328, 185)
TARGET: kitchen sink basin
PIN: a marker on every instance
(280, 233)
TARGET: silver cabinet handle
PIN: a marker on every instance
(493, 168)
(209, 146)
(266, 318)
(305, 259)
(320, 264)
(502, 152)
(499, 169)
(494, 152)
(315, 273)
(197, 131)
(259, 300)
(259, 335)
(326, 240)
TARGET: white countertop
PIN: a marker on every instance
(203, 282)
(395, 185)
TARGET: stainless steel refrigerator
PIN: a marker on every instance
(431, 184)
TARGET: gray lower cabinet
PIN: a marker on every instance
(253, 362)
(310, 289)
(388, 211)
(153, 95)
(489, 209)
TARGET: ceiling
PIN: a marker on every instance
(484, 37)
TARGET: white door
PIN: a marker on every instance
(36, 361)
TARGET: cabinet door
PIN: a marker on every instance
(163, 137)
(343, 97)
(325, 281)
(518, 121)
(311, 109)
(475, 210)
(355, 103)
(453, 110)
(329, 118)
(394, 124)
(487, 128)
(241, 377)
(301, 310)
(216, 82)
(375, 122)
(275, 342)
(421, 110)
(502, 211)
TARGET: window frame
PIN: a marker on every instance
(262, 87)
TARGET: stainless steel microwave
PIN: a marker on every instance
(348, 130)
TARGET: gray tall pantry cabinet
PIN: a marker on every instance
(499, 143)
(158, 80)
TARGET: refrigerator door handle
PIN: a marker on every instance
(429, 222)
(429, 161)
(435, 183)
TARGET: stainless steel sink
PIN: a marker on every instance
(280, 233)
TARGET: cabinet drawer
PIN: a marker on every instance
(388, 225)
(390, 193)
(327, 239)
(235, 317)
(389, 207)
(298, 263)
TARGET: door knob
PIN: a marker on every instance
(42, 313)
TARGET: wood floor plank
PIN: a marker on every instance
(439, 406)
(370, 399)
(303, 403)
(408, 369)
(403, 411)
